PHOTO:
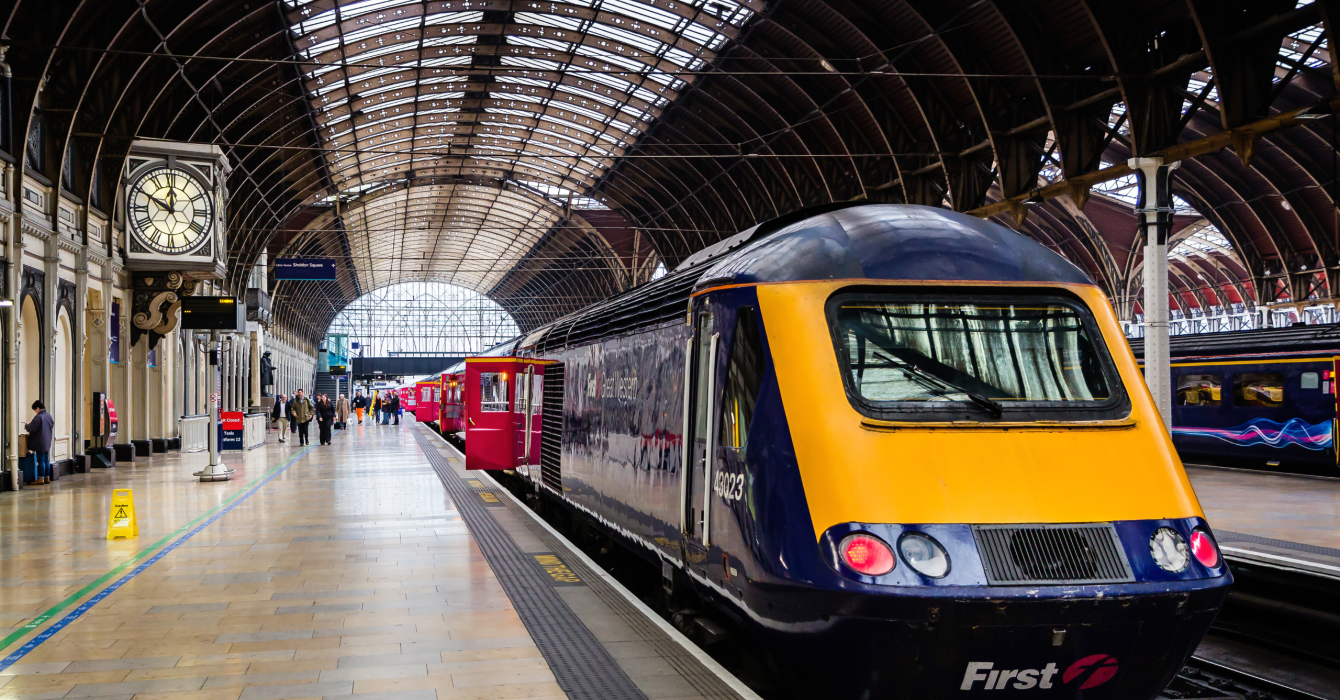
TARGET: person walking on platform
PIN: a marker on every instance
(40, 430)
(342, 412)
(303, 412)
(279, 414)
(288, 413)
(376, 408)
(325, 416)
(360, 405)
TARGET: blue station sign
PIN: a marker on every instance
(304, 269)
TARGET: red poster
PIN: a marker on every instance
(232, 420)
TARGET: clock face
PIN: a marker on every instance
(170, 211)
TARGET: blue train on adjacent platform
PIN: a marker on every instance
(908, 450)
(1262, 399)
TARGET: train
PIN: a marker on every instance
(1261, 399)
(907, 451)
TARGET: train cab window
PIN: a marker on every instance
(744, 377)
(924, 357)
(1198, 390)
(1259, 390)
(1309, 380)
(493, 392)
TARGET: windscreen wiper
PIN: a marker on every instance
(995, 408)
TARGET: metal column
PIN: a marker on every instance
(215, 471)
(1155, 211)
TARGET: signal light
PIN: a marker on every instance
(867, 554)
(1202, 547)
(923, 553)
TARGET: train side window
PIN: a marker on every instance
(1198, 390)
(744, 378)
(1264, 390)
(1309, 380)
(493, 392)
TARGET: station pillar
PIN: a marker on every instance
(1154, 208)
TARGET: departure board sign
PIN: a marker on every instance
(304, 269)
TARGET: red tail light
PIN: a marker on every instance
(1203, 548)
(867, 554)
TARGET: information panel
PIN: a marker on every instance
(304, 269)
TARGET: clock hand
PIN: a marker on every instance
(159, 202)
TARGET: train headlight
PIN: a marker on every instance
(1202, 547)
(867, 554)
(923, 553)
(1169, 550)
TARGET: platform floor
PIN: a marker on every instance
(316, 572)
(1279, 519)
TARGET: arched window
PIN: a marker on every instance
(423, 318)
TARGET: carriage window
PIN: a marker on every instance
(493, 392)
(743, 380)
(1198, 390)
(536, 394)
(1309, 380)
(1259, 390)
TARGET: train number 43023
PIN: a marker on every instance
(729, 486)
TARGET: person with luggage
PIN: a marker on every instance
(325, 417)
(360, 405)
(342, 412)
(303, 411)
(40, 430)
(279, 414)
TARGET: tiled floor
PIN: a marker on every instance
(348, 572)
(1278, 506)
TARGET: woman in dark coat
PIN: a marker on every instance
(325, 417)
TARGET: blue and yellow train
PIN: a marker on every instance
(908, 450)
(1262, 399)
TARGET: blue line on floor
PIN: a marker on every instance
(79, 611)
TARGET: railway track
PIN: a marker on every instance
(1203, 679)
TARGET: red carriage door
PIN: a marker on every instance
(490, 441)
(529, 404)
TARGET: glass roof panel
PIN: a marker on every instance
(456, 131)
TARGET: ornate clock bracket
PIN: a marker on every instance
(156, 304)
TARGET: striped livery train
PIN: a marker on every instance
(1262, 399)
(908, 451)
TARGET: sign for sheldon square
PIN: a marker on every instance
(304, 269)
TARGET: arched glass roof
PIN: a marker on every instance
(423, 318)
(462, 127)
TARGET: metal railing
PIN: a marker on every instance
(254, 427)
(194, 433)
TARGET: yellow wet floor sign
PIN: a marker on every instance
(121, 522)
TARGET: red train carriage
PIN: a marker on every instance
(451, 414)
(503, 400)
(424, 400)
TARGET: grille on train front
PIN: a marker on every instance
(551, 430)
(1048, 554)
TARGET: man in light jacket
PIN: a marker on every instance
(40, 430)
(303, 412)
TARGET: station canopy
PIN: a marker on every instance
(456, 134)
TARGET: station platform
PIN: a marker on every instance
(375, 567)
(1283, 521)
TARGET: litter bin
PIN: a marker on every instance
(27, 462)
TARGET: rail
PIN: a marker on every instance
(194, 433)
(254, 427)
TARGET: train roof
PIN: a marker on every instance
(893, 242)
(1317, 339)
(835, 241)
